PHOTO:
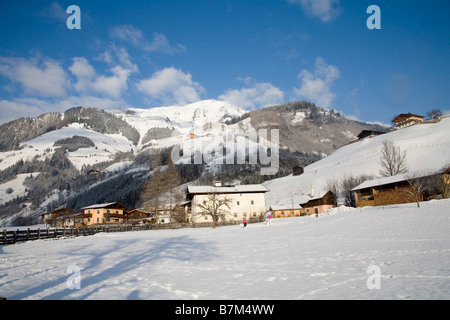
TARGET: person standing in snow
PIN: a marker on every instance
(268, 217)
(245, 222)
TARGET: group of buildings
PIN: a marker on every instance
(236, 202)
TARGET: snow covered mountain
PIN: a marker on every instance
(45, 161)
(181, 119)
(427, 148)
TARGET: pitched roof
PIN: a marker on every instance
(392, 179)
(251, 188)
(105, 205)
(404, 116)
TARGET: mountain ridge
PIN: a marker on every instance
(47, 159)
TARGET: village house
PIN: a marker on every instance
(318, 203)
(113, 212)
(388, 190)
(246, 201)
(286, 211)
(406, 119)
(138, 216)
(60, 217)
(368, 134)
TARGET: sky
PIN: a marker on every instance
(252, 53)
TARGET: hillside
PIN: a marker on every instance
(331, 257)
(45, 161)
(427, 147)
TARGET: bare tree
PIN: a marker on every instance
(418, 187)
(435, 114)
(154, 188)
(215, 206)
(392, 160)
(347, 184)
(333, 186)
(172, 180)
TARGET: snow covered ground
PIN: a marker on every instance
(294, 258)
(427, 148)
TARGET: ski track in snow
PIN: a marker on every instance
(294, 258)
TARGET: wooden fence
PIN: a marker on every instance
(22, 235)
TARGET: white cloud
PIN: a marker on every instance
(55, 11)
(159, 43)
(325, 10)
(315, 86)
(259, 95)
(33, 107)
(171, 86)
(115, 55)
(89, 82)
(46, 79)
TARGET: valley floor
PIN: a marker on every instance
(330, 257)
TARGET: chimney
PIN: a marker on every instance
(312, 192)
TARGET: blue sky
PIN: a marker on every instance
(254, 53)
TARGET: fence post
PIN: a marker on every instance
(39, 233)
(4, 236)
(28, 234)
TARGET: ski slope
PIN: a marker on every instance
(427, 147)
(329, 257)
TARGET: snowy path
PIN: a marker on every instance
(294, 258)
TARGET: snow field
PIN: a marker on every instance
(294, 258)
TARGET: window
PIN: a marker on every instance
(237, 202)
(282, 213)
(292, 213)
(98, 220)
(235, 214)
(252, 202)
(98, 211)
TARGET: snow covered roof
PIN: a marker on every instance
(104, 205)
(392, 179)
(231, 189)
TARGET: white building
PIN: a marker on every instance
(246, 200)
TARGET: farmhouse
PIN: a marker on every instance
(368, 134)
(286, 211)
(113, 212)
(60, 217)
(389, 190)
(245, 201)
(318, 203)
(406, 119)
